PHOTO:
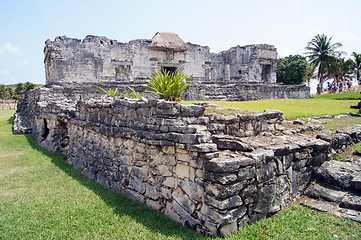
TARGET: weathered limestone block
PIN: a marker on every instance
(163, 170)
(140, 173)
(228, 229)
(351, 201)
(223, 164)
(170, 182)
(183, 200)
(151, 192)
(338, 173)
(246, 173)
(228, 203)
(222, 178)
(156, 205)
(182, 171)
(193, 190)
(326, 193)
(134, 195)
(138, 186)
(168, 149)
(266, 172)
(231, 143)
(186, 218)
(260, 156)
(203, 147)
(220, 191)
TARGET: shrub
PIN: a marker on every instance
(168, 86)
(292, 69)
(133, 94)
(111, 93)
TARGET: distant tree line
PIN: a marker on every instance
(322, 61)
(10, 93)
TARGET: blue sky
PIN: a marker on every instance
(288, 25)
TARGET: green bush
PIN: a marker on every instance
(133, 94)
(168, 86)
(111, 93)
(292, 69)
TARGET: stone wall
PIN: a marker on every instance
(99, 59)
(239, 73)
(209, 172)
(236, 91)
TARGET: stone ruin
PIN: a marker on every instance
(237, 74)
(209, 172)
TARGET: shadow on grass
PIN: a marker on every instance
(120, 204)
(11, 121)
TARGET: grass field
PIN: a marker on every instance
(42, 197)
(297, 108)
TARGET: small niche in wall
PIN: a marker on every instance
(240, 72)
(169, 69)
(62, 133)
(45, 131)
(122, 69)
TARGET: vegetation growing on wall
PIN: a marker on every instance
(111, 93)
(169, 86)
(115, 93)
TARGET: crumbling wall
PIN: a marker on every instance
(239, 73)
(211, 173)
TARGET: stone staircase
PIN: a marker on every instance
(337, 190)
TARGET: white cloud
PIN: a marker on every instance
(10, 48)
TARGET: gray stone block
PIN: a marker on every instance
(326, 192)
(228, 203)
(351, 201)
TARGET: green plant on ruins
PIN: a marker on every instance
(168, 86)
(111, 93)
(133, 94)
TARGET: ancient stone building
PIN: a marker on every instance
(240, 73)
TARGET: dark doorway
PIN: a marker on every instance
(45, 130)
(266, 70)
(169, 69)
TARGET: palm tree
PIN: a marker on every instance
(356, 65)
(321, 54)
(341, 69)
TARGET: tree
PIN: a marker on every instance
(356, 66)
(19, 87)
(29, 85)
(309, 74)
(10, 92)
(292, 69)
(340, 69)
(321, 54)
(2, 91)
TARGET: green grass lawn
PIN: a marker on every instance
(42, 197)
(297, 108)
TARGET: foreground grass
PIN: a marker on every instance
(42, 197)
(296, 108)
